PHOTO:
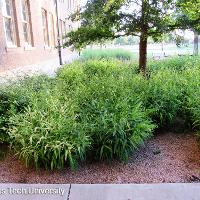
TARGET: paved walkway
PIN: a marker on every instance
(100, 192)
(48, 67)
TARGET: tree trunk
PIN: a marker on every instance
(143, 38)
(143, 54)
(196, 44)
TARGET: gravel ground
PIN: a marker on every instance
(168, 157)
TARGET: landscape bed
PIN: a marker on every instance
(166, 158)
(102, 112)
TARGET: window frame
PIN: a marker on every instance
(45, 28)
(27, 22)
(52, 30)
(12, 19)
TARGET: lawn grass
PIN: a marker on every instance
(107, 53)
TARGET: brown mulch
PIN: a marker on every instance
(167, 157)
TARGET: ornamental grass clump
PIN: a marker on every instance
(93, 109)
(165, 96)
(110, 107)
(48, 134)
(5, 106)
(99, 109)
(192, 87)
(14, 98)
(178, 64)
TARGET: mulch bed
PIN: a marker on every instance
(166, 158)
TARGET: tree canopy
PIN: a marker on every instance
(109, 19)
(188, 15)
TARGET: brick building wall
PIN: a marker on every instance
(23, 54)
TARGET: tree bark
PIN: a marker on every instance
(143, 54)
(196, 44)
(143, 38)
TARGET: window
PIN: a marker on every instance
(69, 4)
(45, 27)
(52, 31)
(27, 30)
(9, 19)
(63, 31)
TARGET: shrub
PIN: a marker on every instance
(98, 108)
(108, 54)
(109, 108)
(10, 102)
(175, 90)
(47, 134)
(174, 64)
(91, 110)
(5, 106)
(192, 88)
(165, 96)
(14, 98)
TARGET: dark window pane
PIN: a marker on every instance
(8, 7)
(25, 10)
(25, 30)
(8, 26)
(45, 27)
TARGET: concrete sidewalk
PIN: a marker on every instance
(100, 192)
(48, 67)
